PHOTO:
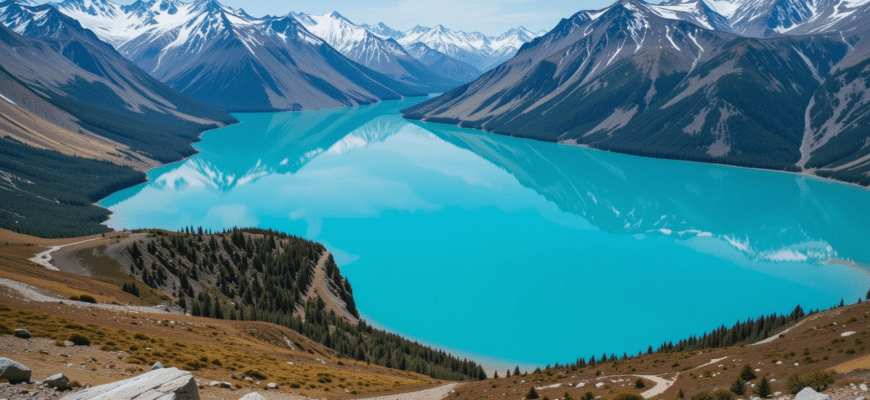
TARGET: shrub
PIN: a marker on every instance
(723, 394)
(255, 374)
(141, 336)
(217, 362)
(588, 396)
(4, 330)
(627, 396)
(532, 394)
(86, 298)
(295, 385)
(79, 340)
(639, 384)
(817, 379)
(701, 396)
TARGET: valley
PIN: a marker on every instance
(200, 203)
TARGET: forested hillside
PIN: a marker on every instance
(261, 275)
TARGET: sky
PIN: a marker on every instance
(491, 17)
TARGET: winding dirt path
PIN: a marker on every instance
(31, 293)
(44, 258)
(662, 384)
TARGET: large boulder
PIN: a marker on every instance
(809, 394)
(253, 396)
(160, 384)
(157, 365)
(22, 333)
(14, 371)
(57, 381)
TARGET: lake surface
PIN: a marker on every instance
(514, 251)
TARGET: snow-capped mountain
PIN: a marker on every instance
(229, 59)
(764, 18)
(444, 64)
(382, 54)
(683, 80)
(476, 49)
(383, 30)
(76, 74)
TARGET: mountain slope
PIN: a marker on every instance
(383, 55)
(636, 79)
(445, 65)
(231, 60)
(475, 49)
(70, 68)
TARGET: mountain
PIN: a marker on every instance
(381, 54)
(383, 30)
(475, 49)
(445, 65)
(73, 73)
(678, 82)
(228, 59)
(79, 121)
(765, 18)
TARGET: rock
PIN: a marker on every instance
(599, 385)
(249, 379)
(779, 363)
(272, 385)
(22, 333)
(863, 387)
(67, 343)
(809, 394)
(160, 384)
(225, 385)
(13, 371)
(157, 365)
(57, 381)
(860, 398)
(214, 384)
(253, 396)
(758, 370)
(777, 394)
(849, 333)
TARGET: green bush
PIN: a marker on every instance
(627, 396)
(747, 374)
(723, 394)
(639, 384)
(817, 379)
(532, 394)
(701, 396)
(85, 298)
(255, 374)
(4, 330)
(79, 340)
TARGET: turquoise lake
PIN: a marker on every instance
(511, 251)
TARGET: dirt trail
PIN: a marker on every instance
(436, 393)
(31, 293)
(44, 258)
(320, 286)
(662, 384)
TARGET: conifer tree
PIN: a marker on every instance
(738, 387)
(532, 394)
(747, 374)
(517, 370)
(763, 388)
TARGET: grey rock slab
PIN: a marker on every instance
(157, 365)
(863, 387)
(161, 384)
(253, 396)
(57, 381)
(22, 333)
(14, 371)
(272, 385)
(809, 394)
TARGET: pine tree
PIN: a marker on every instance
(763, 388)
(495, 375)
(517, 370)
(747, 374)
(842, 303)
(680, 394)
(532, 394)
(738, 387)
(508, 373)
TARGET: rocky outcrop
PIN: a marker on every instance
(22, 333)
(14, 371)
(57, 381)
(253, 396)
(157, 365)
(161, 384)
(809, 394)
